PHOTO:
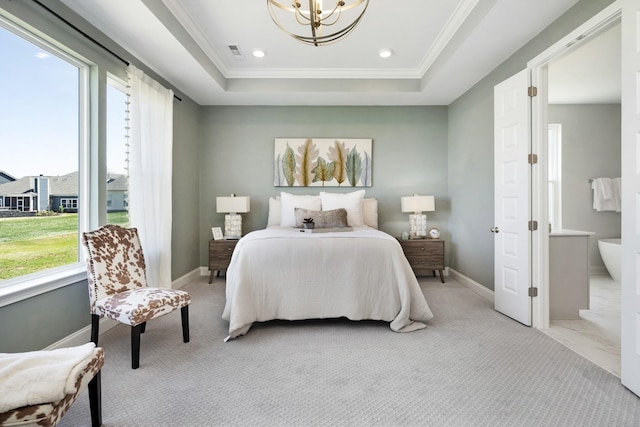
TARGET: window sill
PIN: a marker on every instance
(15, 290)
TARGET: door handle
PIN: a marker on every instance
(495, 230)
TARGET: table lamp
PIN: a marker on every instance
(417, 220)
(232, 206)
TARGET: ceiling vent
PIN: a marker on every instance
(235, 52)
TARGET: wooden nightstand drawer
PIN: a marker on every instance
(425, 254)
(220, 252)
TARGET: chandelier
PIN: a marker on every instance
(315, 18)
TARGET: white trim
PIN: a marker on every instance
(472, 285)
(82, 336)
(192, 276)
(31, 285)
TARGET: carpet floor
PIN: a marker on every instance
(471, 366)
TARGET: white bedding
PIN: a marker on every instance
(281, 273)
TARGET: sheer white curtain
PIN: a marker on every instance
(150, 159)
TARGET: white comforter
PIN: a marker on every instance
(281, 273)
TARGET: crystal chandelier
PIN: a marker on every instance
(315, 18)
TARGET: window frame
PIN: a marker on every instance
(555, 171)
(33, 284)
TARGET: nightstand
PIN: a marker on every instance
(425, 254)
(220, 252)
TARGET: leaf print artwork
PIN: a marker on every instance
(326, 162)
(289, 165)
(366, 170)
(306, 159)
(338, 154)
(354, 167)
(323, 171)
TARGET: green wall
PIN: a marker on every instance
(237, 151)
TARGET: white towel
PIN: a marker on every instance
(37, 377)
(603, 195)
(617, 193)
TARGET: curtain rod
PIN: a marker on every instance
(87, 36)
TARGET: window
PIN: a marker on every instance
(69, 203)
(555, 176)
(42, 116)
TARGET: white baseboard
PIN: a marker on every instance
(474, 286)
(186, 278)
(83, 336)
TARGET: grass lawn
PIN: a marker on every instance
(32, 244)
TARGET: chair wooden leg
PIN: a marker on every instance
(184, 314)
(95, 400)
(144, 327)
(135, 345)
(95, 328)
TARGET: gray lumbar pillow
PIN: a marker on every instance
(336, 218)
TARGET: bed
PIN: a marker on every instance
(354, 270)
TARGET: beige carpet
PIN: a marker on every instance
(470, 367)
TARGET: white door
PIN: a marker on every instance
(512, 199)
(630, 331)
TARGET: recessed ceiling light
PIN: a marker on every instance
(385, 53)
(259, 53)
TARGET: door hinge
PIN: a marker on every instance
(532, 159)
(533, 225)
(533, 292)
(532, 91)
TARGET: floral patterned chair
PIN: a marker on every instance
(118, 287)
(61, 375)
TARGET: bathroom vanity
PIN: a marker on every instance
(568, 273)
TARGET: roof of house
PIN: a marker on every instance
(117, 183)
(6, 177)
(61, 186)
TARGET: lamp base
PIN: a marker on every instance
(232, 226)
(417, 226)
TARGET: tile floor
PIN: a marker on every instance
(596, 335)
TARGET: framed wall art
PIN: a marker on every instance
(322, 162)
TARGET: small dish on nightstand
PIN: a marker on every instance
(434, 233)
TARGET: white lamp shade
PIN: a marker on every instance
(418, 204)
(233, 204)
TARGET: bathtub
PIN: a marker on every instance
(610, 251)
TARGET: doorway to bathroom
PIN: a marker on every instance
(584, 153)
(584, 149)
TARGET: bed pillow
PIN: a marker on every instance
(352, 202)
(370, 212)
(288, 203)
(336, 218)
(273, 218)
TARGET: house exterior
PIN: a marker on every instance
(56, 193)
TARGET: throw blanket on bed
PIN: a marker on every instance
(281, 273)
(37, 377)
